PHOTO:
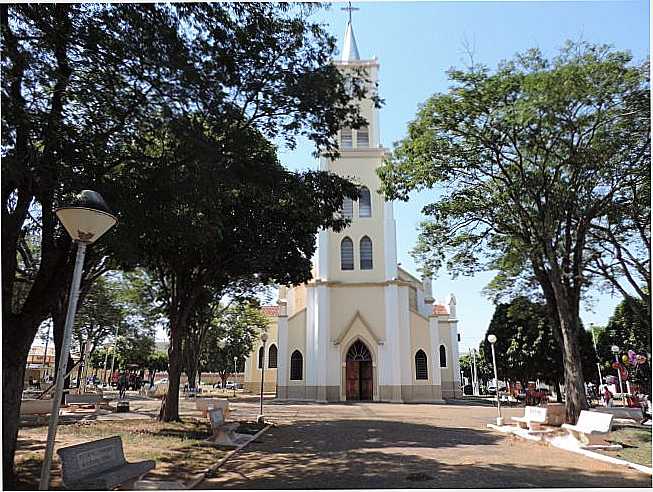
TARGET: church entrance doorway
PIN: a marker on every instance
(359, 372)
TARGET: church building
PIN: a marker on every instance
(363, 328)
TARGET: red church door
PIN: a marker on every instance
(359, 373)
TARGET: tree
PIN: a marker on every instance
(530, 157)
(84, 82)
(628, 331)
(528, 344)
(157, 361)
(238, 326)
(98, 316)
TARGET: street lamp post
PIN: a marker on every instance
(221, 345)
(235, 371)
(598, 364)
(264, 338)
(85, 220)
(615, 351)
(493, 339)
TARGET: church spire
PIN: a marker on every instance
(349, 49)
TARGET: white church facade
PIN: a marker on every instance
(363, 328)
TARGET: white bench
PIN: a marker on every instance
(225, 434)
(100, 465)
(591, 428)
(203, 405)
(535, 417)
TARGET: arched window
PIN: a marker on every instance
(348, 208)
(260, 357)
(443, 356)
(346, 140)
(364, 203)
(296, 366)
(272, 357)
(346, 254)
(366, 253)
(363, 137)
(421, 367)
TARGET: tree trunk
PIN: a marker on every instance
(175, 363)
(15, 348)
(575, 398)
(191, 378)
(556, 386)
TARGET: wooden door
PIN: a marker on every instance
(366, 384)
(353, 380)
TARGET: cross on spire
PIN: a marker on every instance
(350, 9)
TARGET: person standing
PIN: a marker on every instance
(607, 397)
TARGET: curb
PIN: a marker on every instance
(202, 475)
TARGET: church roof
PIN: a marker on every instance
(271, 311)
(349, 48)
(439, 309)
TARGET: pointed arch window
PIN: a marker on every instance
(366, 253)
(346, 254)
(272, 356)
(364, 203)
(348, 208)
(296, 366)
(261, 354)
(443, 356)
(421, 365)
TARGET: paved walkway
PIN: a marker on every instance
(378, 445)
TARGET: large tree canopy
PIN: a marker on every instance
(530, 158)
(84, 89)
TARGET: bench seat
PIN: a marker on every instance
(113, 477)
(591, 428)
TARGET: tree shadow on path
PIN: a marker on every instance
(385, 454)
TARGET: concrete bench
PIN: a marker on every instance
(40, 408)
(94, 399)
(224, 434)
(591, 428)
(35, 407)
(100, 465)
(203, 405)
(535, 417)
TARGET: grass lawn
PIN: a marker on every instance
(636, 442)
(177, 447)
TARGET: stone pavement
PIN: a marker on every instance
(377, 445)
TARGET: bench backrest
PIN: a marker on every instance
(203, 404)
(32, 407)
(216, 417)
(535, 414)
(90, 458)
(594, 421)
(89, 398)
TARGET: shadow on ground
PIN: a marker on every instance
(383, 454)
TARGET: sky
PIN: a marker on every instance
(416, 42)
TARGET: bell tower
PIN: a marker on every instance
(365, 251)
